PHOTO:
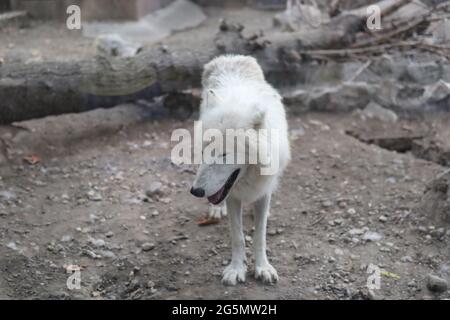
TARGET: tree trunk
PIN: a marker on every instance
(42, 89)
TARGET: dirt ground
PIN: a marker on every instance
(85, 204)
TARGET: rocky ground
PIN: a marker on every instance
(103, 195)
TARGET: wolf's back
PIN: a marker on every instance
(226, 67)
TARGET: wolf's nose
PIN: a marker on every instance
(198, 192)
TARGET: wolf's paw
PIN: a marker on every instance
(233, 274)
(266, 273)
(217, 212)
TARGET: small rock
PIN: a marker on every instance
(375, 111)
(383, 218)
(327, 204)
(372, 236)
(109, 234)
(113, 45)
(148, 246)
(407, 259)
(150, 284)
(372, 295)
(391, 180)
(155, 189)
(357, 232)
(436, 284)
(12, 245)
(165, 200)
(66, 238)
(108, 254)
(94, 196)
(97, 242)
(91, 254)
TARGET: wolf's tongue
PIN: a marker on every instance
(215, 198)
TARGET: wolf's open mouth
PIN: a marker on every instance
(223, 192)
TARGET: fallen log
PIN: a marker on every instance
(42, 89)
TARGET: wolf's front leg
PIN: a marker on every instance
(217, 212)
(237, 269)
(263, 269)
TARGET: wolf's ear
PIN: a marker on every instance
(258, 119)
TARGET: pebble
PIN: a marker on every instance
(357, 232)
(108, 254)
(155, 213)
(109, 234)
(372, 236)
(91, 254)
(382, 218)
(155, 189)
(67, 238)
(12, 245)
(436, 284)
(97, 242)
(327, 204)
(407, 259)
(150, 284)
(148, 246)
(165, 200)
(372, 295)
(94, 196)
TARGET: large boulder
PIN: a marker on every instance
(436, 200)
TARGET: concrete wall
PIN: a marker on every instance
(91, 9)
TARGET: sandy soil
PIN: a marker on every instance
(85, 204)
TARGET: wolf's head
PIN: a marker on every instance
(233, 141)
(233, 118)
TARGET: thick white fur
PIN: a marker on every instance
(236, 96)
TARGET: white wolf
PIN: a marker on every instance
(237, 96)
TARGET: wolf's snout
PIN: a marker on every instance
(198, 192)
